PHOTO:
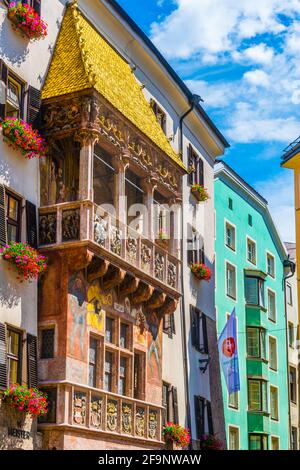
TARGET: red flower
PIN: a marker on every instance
(28, 262)
(28, 141)
(28, 20)
(19, 398)
(201, 271)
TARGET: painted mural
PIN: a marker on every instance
(77, 295)
(154, 349)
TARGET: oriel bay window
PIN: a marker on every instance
(258, 442)
(108, 371)
(110, 327)
(104, 177)
(134, 196)
(256, 343)
(254, 291)
(123, 373)
(257, 395)
(93, 359)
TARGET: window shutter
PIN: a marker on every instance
(190, 164)
(199, 416)
(200, 168)
(3, 226)
(164, 403)
(3, 358)
(209, 418)
(3, 88)
(175, 405)
(204, 346)
(31, 224)
(172, 320)
(37, 6)
(33, 106)
(32, 360)
(195, 328)
(167, 325)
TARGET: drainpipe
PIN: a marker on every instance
(195, 99)
(287, 263)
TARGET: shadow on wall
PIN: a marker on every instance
(13, 47)
(5, 172)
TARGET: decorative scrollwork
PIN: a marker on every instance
(172, 275)
(112, 415)
(79, 413)
(100, 230)
(96, 412)
(126, 418)
(71, 225)
(140, 422)
(131, 248)
(115, 240)
(153, 424)
(146, 256)
(159, 266)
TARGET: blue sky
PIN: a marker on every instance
(243, 59)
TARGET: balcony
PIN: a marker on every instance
(84, 223)
(92, 410)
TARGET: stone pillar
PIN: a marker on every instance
(149, 185)
(87, 141)
(120, 163)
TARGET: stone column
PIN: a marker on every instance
(87, 142)
(149, 185)
(120, 163)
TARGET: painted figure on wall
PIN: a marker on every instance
(154, 353)
(78, 310)
(95, 312)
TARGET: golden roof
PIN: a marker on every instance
(95, 64)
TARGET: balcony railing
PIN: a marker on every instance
(83, 221)
(96, 410)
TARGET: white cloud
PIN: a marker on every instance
(280, 194)
(257, 78)
(259, 54)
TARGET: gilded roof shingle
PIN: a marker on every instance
(83, 59)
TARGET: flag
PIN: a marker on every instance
(228, 353)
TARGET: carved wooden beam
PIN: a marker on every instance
(79, 258)
(156, 301)
(169, 306)
(114, 277)
(129, 285)
(98, 270)
(143, 293)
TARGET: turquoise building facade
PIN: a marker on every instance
(249, 277)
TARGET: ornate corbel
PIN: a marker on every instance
(169, 306)
(98, 269)
(129, 285)
(156, 301)
(114, 277)
(143, 293)
(86, 137)
(78, 258)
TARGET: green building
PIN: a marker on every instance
(249, 277)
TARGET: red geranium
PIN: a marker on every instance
(176, 434)
(27, 260)
(201, 271)
(21, 136)
(28, 20)
(30, 401)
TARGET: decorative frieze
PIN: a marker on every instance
(47, 229)
(140, 422)
(152, 424)
(131, 249)
(159, 266)
(126, 418)
(172, 275)
(100, 230)
(71, 225)
(96, 412)
(115, 240)
(146, 257)
(112, 415)
(79, 408)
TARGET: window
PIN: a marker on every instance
(270, 265)
(293, 385)
(93, 362)
(230, 281)
(124, 336)
(230, 236)
(169, 325)
(123, 375)
(196, 167)
(273, 353)
(291, 331)
(47, 340)
(294, 439)
(230, 203)
(160, 115)
(271, 305)
(14, 356)
(250, 221)
(234, 438)
(49, 417)
(195, 247)
(200, 416)
(108, 371)
(258, 442)
(139, 376)
(274, 443)
(274, 403)
(289, 294)
(199, 330)
(254, 291)
(257, 395)
(109, 329)
(233, 400)
(251, 251)
(170, 404)
(13, 217)
(256, 343)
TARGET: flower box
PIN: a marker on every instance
(27, 261)
(21, 136)
(201, 271)
(25, 18)
(26, 400)
(200, 192)
(176, 436)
